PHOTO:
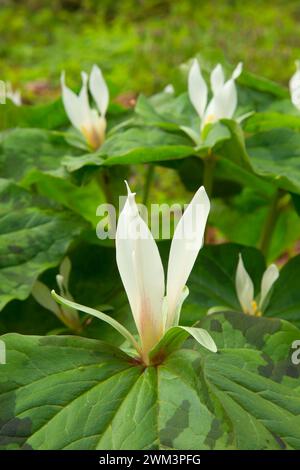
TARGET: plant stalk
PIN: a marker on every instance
(148, 181)
(208, 179)
(103, 178)
(270, 224)
(208, 173)
(104, 181)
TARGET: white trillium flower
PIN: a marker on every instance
(224, 100)
(245, 289)
(90, 122)
(156, 307)
(13, 95)
(295, 86)
(169, 89)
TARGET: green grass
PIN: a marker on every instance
(139, 43)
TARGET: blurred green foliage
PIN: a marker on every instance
(138, 43)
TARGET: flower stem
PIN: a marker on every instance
(104, 181)
(270, 223)
(148, 181)
(103, 178)
(208, 174)
(208, 177)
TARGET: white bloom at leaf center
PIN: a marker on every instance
(245, 288)
(224, 100)
(91, 123)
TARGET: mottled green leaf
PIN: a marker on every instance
(33, 238)
(285, 299)
(46, 116)
(275, 156)
(191, 401)
(25, 150)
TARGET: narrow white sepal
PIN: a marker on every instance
(60, 283)
(102, 316)
(237, 71)
(64, 271)
(244, 287)
(223, 104)
(99, 90)
(83, 99)
(294, 86)
(197, 88)
(202, 337)
(169, 89)
(269, 278)
(71, 104)
(182, 298)
(42, 295)
(193, 135)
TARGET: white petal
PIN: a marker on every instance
(202, 337)
(99, 90)
(237, 71)
(244, 287)
(295, 79)
(83, 98)
(186, 243)
(270, 276)
(193, 135)
(295, 87)
(217, 78)
(197, 88)
(64, 271)
(142, 273)
(42, 295)
(13, 95)
(169, 89)
(71, 104)
(183, 296)
(223, 104)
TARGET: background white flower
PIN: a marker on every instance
(245, 289)
(91, 123)
(295, 86)
(224, 94)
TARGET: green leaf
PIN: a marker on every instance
(271, 336)
(143, 145)
(33, 238)
(94, 281)
(285, 299)
(228, 400)
(252, 207)
(261, 122)
(275, 156)
(25, 150)
(49, 116)
(134, 146)
(168, 112)
(75, 163)
(82, 200)
(234, 149)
